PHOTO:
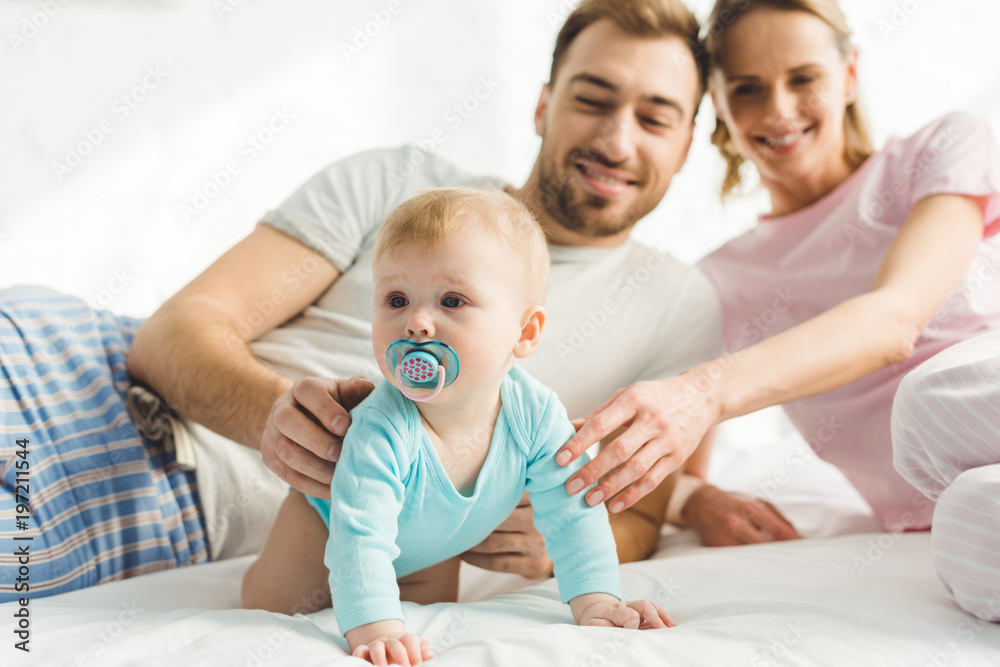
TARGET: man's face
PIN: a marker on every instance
(616, 125)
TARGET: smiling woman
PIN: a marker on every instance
(821, 85)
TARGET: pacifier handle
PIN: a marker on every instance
(426, 397)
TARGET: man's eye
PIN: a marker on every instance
(590, 103)
(746, 90)
(451, 302)
(397, 301)
(803, 80)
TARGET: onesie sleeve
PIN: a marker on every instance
(958, 154)
(578, 537)
(367, 497)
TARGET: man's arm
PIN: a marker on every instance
(194, 351)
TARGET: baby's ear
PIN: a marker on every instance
(531, 332)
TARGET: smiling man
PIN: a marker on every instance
(248, 354)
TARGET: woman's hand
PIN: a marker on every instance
(305, 431)
(515, 546)
(665, 420)
(634, 615)
(387, 642)
(723, 519)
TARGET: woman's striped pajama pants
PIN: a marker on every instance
(946, 442)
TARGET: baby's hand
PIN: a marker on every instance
(634, 615)
(397, 648)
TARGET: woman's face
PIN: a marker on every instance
(782, 88)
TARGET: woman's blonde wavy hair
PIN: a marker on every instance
(857, 137)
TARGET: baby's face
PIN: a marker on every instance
(465, 292)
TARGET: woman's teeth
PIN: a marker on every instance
(786, 140)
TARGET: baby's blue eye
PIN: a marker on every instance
(398, 301)
(451, 302)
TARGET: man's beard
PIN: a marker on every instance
(580, 214)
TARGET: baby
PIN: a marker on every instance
(460, 277)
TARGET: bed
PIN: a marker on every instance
(846, 595)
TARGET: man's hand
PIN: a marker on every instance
(722, 519)
(305, 430)
(515, 546)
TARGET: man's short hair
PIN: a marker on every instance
(641, 18)
(428, 218)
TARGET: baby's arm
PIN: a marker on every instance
(578, 537)
(366, 500)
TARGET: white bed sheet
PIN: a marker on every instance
(844, 596)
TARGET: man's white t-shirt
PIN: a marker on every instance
(615, 316)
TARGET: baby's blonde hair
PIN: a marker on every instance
(429, 217)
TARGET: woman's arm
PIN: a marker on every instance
(668, 418)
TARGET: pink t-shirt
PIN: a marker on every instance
(790, 269)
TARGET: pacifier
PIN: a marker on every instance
(431, 365)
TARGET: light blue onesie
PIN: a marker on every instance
(395, 511)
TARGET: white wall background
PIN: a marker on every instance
(111, 229)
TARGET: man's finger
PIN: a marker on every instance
(501, 543)
(593, 431)
(494, 562)
(306, 485)
(775, 523)
(318, 397)
(352, 392)
(300, 459)
(743, 531)
(296, 424)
